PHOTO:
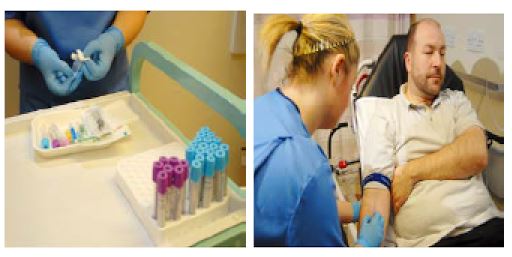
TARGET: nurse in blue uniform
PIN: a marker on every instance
(43, 43)
(294, 192)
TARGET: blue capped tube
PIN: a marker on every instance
(201, 152)
(209, 172)
(218, 189)
(225, 148)
(200, 158)
(203, 146)
(196, 173)
(204, 129)
(213, 146)
(190, 154)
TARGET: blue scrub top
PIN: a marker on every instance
(65, 32)
(294, 193)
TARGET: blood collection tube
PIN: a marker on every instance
(220, 158)
(186, 198)
(213, 146)
(170, 192)
(200, 158)
(190, 154)
(158, 166)
(203, 145)
(179, 181)
(161, 202)
(163, 160)
(216, 179)
(173, 161)
(208, 181)
(225, 148)
(195, 185)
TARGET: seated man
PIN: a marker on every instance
(425, 153)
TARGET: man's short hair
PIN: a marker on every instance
(412, 31)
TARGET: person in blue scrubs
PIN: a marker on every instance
(43, 43)
(294, 191)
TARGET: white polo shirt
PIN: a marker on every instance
(397, 132)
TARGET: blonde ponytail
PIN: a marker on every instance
(273, 30)
(319, 35)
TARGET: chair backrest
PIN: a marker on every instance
(389, 72)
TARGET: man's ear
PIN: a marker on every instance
(338, 68)
(407, 60)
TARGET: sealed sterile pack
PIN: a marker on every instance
(64, 132)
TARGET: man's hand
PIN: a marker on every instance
(401, 187)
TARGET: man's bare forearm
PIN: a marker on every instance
(465, 157)
(376, 200)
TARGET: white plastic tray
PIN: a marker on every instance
(119, 115)
(73, 200)
(134, 179)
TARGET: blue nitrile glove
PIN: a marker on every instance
(102, 52)
(372, 231)
(59, 77)
(356, 207)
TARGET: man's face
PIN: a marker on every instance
(425, 61)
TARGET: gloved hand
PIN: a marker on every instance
(372, 230)
(59, 77)
(102, 52)
(356, 207)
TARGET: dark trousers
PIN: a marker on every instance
(489, 234)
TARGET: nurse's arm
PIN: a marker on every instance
(376, 200)
(130, 23)
(345, 211)
(19, 40)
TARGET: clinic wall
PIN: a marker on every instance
(202, 40)
(488, 63)
(12, 92)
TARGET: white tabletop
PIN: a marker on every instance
(71, 200)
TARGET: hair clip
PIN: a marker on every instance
(324, 45)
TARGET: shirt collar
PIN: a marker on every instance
(437, 101)
(287, 98)
(292, 119)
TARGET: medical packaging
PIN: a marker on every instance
(67, 131)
